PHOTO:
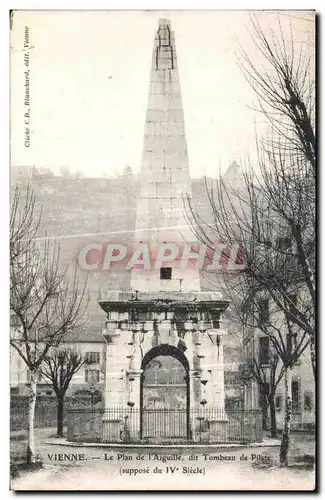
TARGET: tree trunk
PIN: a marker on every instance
(31, 458)
(60, 417)
(313, 355)
(285, 441)
(273, 428)
(264, 412)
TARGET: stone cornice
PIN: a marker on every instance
(163, 301)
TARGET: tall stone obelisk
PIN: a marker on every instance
(165, 313)
(164, 174)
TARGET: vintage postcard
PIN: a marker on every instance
(162, 250)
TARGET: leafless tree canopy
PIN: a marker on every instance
(272, 213)
(45, 303)
(23, 227)
(285, 86)
(59, 366)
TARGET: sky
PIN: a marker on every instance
(89, 79)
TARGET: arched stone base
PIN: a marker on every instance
(183, 325)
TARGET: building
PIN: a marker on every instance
(258, 345)
(90, 376)
(21, 173)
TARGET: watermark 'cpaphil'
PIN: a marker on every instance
(104, 256)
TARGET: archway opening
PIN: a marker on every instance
(164, 394)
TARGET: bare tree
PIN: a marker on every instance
(272, 213)
(268, 376)
(58, 368)
(24, 224)
(287, 160)
(253, 312)
(45, 303)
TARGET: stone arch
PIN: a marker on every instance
(165, 350)
(172, 351)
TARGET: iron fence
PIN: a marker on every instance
(164, 425)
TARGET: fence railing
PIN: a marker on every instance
(164, 425)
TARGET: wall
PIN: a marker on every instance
(304, 418)
(45, 410)
(301, 372)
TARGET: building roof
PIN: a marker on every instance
(233, 171)
(85, 334)
(91, 334)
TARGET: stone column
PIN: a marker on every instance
(133, 403)
(195, 396)
(148, 334)
(190, 354)
(134, 372)
(204, 354)
(164, 328)
(173, 336)
(218, 417)
(202, 413)
(114, 384)
(217, 368)
(201, 360)
(114, 366)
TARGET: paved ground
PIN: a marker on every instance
(93, 468)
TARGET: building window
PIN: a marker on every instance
(295, 388)
(263, 311)
(264, 350)
(278, 402)
(263, 394)
(92, 375)
(38, 376)
(231, 378)
(92, 358)
(165, 273)
(283, 244)
(232, 403)
(308, 401)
